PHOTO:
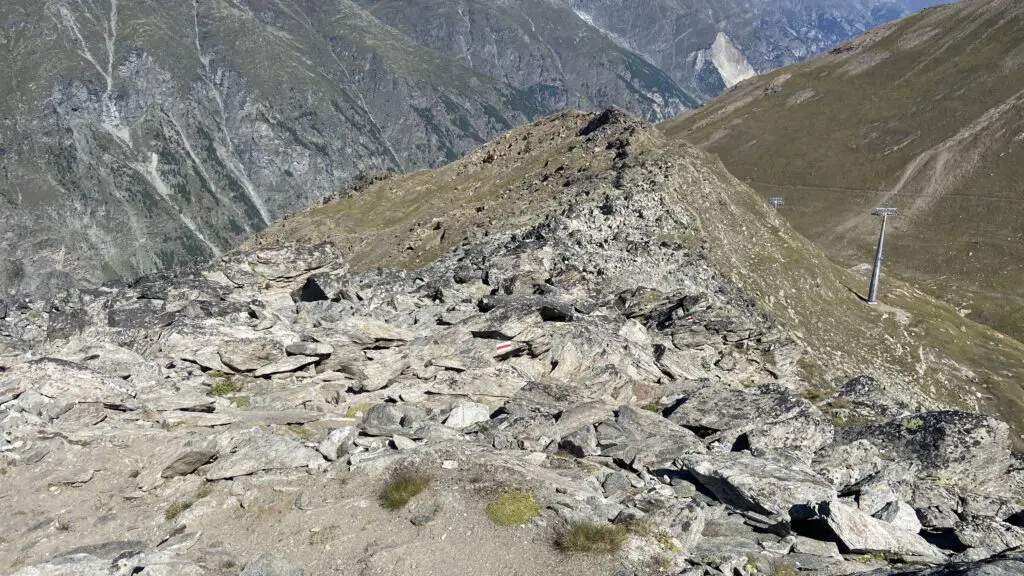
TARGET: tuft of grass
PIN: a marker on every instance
(357, 410)
(913, 424)
(299, 430)
(225, 387)
(61, 523)
(594, 538)
(659, 535)
(512, 508)
(815, 394)
(176, 508)
(652, 407)
(403, 487)
(782, 568)
(241, 401)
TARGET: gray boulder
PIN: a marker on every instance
(957, 448)
(258, 451)
(188, 463)
(466, 414)
(859, 533)
(248, 354)
(639, 437)
(763, 420)
(989, 535)
(901, 515)
(338, 443)
(764, 485)
(318, 349)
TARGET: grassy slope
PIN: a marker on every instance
(914, 343)
(923, 114)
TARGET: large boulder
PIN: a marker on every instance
(638, 437)
(858, 533)
(256, 451)
(766, 486)
(248, 354)
(762, 420)
(952, 447)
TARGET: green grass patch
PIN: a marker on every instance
(178, 507)
(357, 410)
(225, 387)
(913, 423)
(403, 487)
(587, 537)
(659, 535)
(512, 508)
(782, 568)
(652, 407)
(815, 394)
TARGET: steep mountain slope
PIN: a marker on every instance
(593, 370)
(919, 347)
(923, 115)
(139, 136)
(707, 47)
(540, 46)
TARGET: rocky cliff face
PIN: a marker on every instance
(591, 368)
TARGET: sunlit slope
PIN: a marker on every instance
(923, 114)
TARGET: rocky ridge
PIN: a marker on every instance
(221, 420)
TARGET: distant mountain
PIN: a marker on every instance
(139, 136)
(540, 46)
(923, 115)
(708, 46)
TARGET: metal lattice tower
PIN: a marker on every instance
(777, 201)
(885, 213)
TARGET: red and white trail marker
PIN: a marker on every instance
(503, 347)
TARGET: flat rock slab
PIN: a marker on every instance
(368, 331)
(187, 463)
(70, 565)
(465, 414)
(262, 451)
(285, 365)
(318, 349)
(248, 354)
(859, 533)
(763, 485)
(198, 419)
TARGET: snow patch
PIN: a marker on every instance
(732, 65)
